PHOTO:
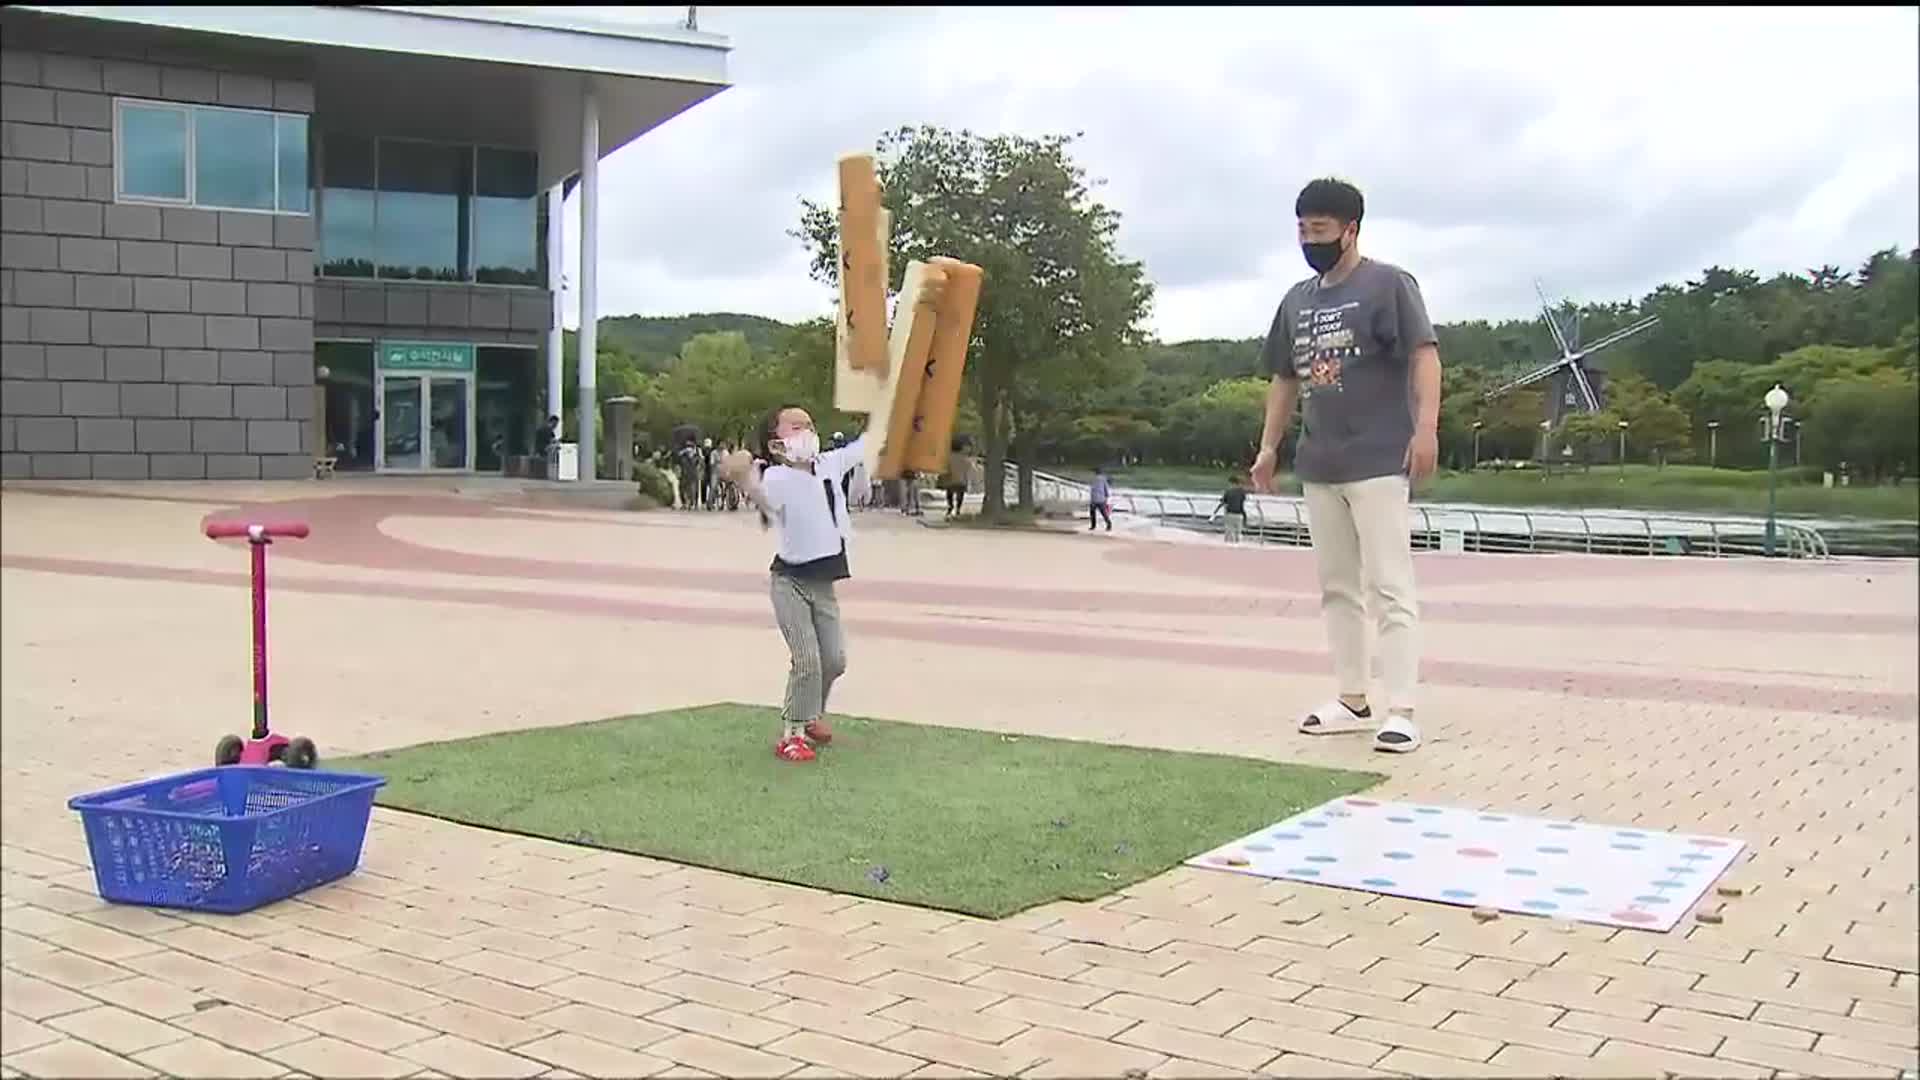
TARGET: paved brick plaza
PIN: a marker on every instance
(1775, 703)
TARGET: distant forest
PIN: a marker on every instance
(1843, 342)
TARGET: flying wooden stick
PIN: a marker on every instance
(863, 271)
(910, 388)
(939, 399)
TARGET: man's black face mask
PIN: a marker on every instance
(1323, 255)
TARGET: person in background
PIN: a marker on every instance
(708, 456)
(860, 486)
(959, 470)
(910, 493)
(1234, 505)
(546, 436)
(688, 459)
(1099, 498)
(839, 442)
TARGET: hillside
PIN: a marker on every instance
(655, 340)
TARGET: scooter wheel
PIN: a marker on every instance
(227, 750)
(301, 754)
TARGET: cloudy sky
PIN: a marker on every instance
(1602, 150)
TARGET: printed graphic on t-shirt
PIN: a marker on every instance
(1323, 341)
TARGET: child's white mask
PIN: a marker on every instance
(801, 447)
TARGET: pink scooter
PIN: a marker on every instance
(264, 747)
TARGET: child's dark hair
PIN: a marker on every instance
(769, 424)
(763, 437)
(1330, 197)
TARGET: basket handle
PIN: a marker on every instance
(197, 789)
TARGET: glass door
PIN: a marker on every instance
(400, 421)
(450, 422)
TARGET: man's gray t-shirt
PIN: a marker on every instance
(1348, 347)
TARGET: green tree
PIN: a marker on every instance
(1904, 354)
(1057, 292)
(1656, 427)
(804, 368)
(616, 373)
(1592, 437)
(1220, 426)
(720, 385)
(1868, 422)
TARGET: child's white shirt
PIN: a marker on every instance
(809, 508)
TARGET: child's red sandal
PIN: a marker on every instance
(819, 733)
(793, 748)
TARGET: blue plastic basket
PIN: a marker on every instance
(226, 839)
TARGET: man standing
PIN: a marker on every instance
(1353, 343)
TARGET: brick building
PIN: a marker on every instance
(233, 240)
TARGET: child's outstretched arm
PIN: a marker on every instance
(738, 468)
(840, 462)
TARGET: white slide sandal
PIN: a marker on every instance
(1397, 735)
(1333, 718)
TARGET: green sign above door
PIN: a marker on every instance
(425, 356)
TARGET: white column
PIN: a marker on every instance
(589, 273)
(556, 270)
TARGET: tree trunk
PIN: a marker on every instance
(1023, 457)
(993, 418)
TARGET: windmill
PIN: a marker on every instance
(1576, 385)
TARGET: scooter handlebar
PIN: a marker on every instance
(228, 530)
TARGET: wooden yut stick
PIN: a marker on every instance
(927, 449)
(863, 263)
(891, 427)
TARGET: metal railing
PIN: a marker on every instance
(1280, 519)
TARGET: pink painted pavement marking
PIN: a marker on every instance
(1585, 684)
(1279, 582)
(347, 533)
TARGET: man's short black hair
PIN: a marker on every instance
(1329, 197)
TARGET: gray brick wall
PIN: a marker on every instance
(138, 341)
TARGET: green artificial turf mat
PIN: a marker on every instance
(970, 821)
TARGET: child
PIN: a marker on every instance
(1234, 503)
(800, 492)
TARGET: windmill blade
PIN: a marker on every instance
(1528, 379)
(1589, 399)
(1553, 324)
(1620, 335)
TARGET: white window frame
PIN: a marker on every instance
(187, 109)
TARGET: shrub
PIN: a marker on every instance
(653, 483)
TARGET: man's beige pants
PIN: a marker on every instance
(1360, 541)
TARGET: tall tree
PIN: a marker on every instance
(1057, 293)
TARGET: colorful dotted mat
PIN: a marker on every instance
(1606, 874)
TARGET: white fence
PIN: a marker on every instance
(1277, 519)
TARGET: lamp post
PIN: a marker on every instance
(1623, 451)
(1546, 463)
(1476, 446)
(1776, 401)
(1713, 444)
